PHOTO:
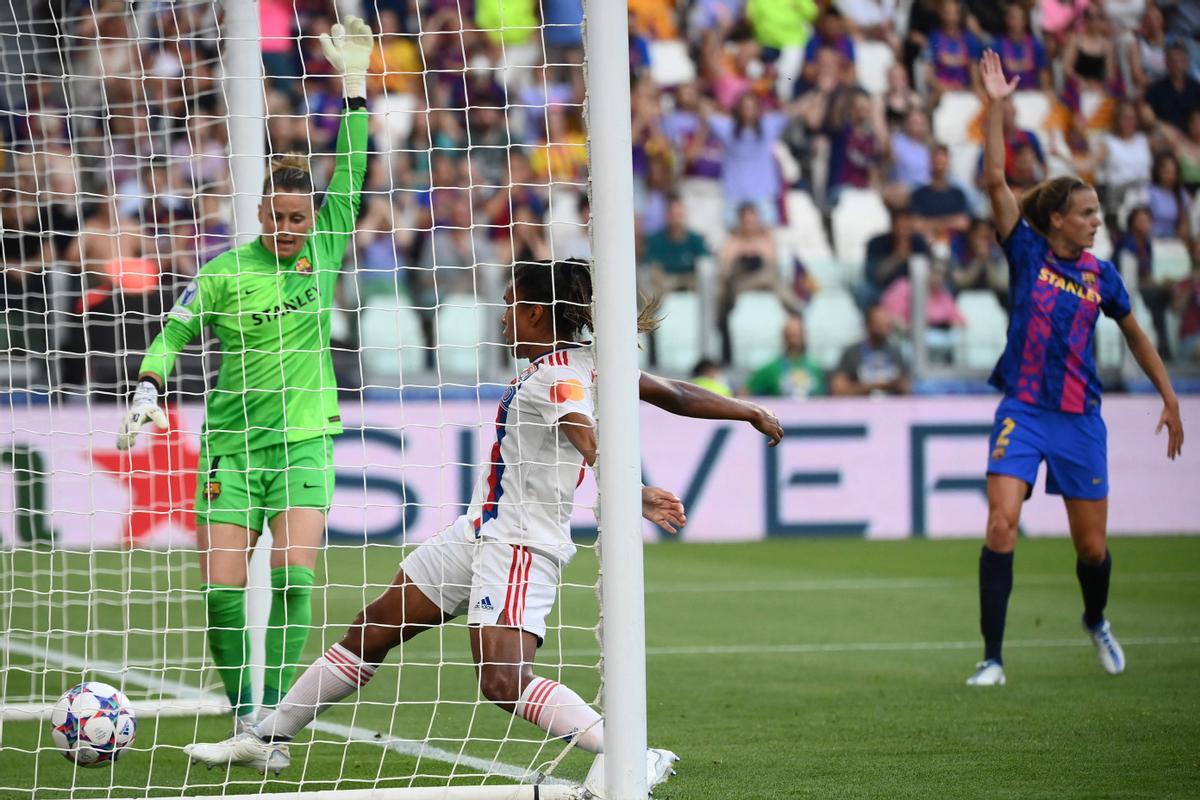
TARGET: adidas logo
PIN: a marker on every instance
(485, 604)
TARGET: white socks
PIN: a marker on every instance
(339, 673)
(560, 712)
(332, 677)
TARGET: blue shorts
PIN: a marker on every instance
(1074, 447)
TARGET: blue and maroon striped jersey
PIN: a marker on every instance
(1048, 360)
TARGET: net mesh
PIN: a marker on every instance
(115, 175)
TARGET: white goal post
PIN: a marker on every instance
(134, 617)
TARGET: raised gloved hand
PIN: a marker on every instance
(348, 48)
(142, 409)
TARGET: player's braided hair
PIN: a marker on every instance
(567, 285)
(1049, 197)
(289, 173)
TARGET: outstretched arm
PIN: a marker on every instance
(659, 506)
(1005, 211)
(688, 400)
(1150, 362)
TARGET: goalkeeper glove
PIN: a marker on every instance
(144, 408)
(349, 51)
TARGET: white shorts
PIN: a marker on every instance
(494, 583)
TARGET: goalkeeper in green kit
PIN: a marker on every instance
(266, 453)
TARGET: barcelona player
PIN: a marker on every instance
(1051, 406)
(267, 447)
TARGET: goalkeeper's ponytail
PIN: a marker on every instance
(289, 173)
(567, 284)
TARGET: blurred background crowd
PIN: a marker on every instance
(806, 178)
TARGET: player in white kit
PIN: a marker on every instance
(501, 562)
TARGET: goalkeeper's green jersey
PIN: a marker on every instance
(272, 319)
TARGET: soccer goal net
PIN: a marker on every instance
(138, 139)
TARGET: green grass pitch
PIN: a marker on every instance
(816, 668)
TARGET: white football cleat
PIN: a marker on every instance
(244, 723)
(243, 750)
(659, 767)
(1112, 657)
(987, 673)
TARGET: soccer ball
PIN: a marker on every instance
(92, 724)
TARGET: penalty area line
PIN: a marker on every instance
(352, 734)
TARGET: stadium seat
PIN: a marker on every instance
(873, 60)
(964, 165)
(1171, 260)
(670, 64)
(806, 229)
(756, 326)
(986, 330)
(833, 323)
(859, 215)
(705, 209)
(392, 342)
(460, 323)
(1033, 109)
(678, 337)
(953, 117)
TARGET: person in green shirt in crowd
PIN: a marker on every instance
(793, 374)
(267, 447)
(671, 254)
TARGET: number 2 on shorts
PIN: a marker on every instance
(1006, 428)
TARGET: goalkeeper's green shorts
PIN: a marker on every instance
(249, 488)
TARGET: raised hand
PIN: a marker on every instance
(663, 508)
(1171, 420)
(992, 72)
(348, 48)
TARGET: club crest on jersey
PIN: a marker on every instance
(566, 391)
(1089, 279)
(212, 490)
(304, 266)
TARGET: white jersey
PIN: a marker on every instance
(527, 493)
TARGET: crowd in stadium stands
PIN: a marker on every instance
(809, 153)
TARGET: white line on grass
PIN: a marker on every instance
(883, 647)
(858, 584)
(354, 735)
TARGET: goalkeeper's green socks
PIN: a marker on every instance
(225, 609)
(287, 629)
